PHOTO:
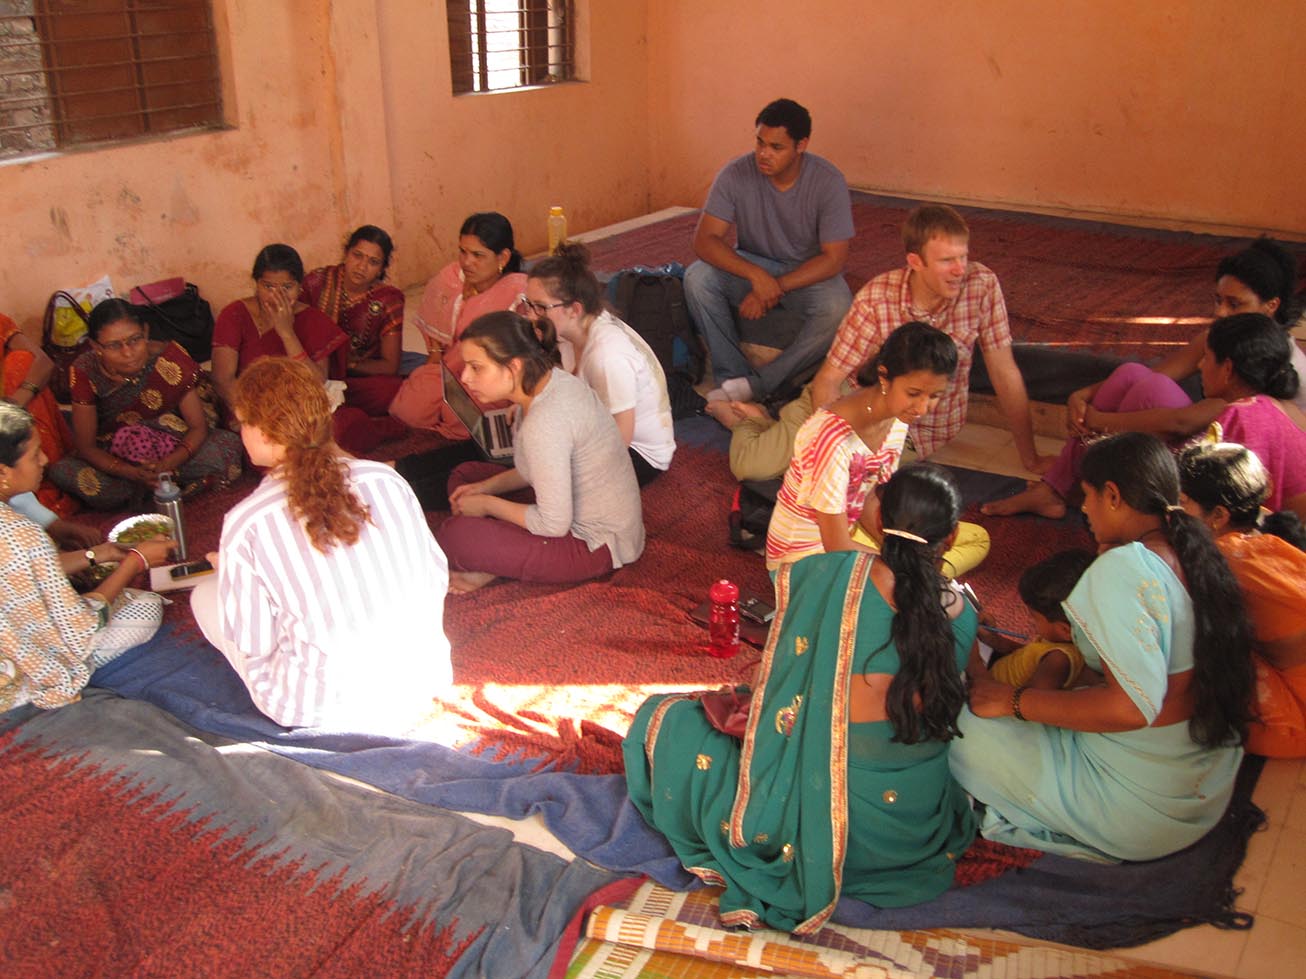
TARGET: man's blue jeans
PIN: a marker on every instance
(713, 295)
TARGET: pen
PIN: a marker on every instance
(974, 600)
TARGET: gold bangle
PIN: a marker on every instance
(1015, 703)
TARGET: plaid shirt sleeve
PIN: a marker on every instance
(994, 327)
(860, 335)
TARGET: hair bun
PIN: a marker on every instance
(573, 252)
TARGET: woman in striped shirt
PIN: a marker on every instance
(842, 452)
(329, 596)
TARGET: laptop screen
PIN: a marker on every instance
(490, 429)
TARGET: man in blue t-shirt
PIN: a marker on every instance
(793, 217)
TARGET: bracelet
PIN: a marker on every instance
(1015, 703)
(97, 596)
(302, 355)
(145, 565)
(29, 386)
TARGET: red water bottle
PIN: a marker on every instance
(723, 619)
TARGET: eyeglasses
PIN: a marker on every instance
(527, 306)
(126, 343)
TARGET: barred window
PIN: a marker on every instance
(498, 44)
(80, 72)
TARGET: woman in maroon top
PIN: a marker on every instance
(272, 323)
(275, 322)
(370, 311)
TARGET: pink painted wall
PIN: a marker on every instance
(341, 114)
(200, 205)
(1161, 113)
(583, 146)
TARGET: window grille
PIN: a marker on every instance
(498, 44)
(79, 72)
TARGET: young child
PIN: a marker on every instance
(1051, 662)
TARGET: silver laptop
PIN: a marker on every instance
(491, 430)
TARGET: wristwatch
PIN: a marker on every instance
(90, 558)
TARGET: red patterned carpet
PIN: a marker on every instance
(557, 673)
(1081, 285)
(112, 880)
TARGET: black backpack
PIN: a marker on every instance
(652, 301)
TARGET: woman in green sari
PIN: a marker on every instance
(840, 784)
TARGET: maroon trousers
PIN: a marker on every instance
(507, 551)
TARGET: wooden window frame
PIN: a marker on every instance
(116, 70)
(545, 45)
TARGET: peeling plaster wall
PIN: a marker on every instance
(1164, 113)
(200, 205)
(341, 114)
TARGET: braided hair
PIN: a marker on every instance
(926, 693)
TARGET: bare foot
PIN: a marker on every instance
(462, 582)
(751, 409)
(724, 412)
(1038, 498)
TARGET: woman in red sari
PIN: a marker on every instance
(486, 278)
(272, 323)
(277, 322)
(26, 372)
(370, 311)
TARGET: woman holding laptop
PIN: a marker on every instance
(581, 517)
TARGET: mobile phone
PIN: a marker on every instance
(754, 608)
(191, 568)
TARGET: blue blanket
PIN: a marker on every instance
(1057, 899)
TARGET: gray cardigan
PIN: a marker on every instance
(568, 448)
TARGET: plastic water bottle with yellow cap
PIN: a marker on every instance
(557, 228)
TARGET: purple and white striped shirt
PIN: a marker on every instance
(351, 639)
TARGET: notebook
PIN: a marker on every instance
(491, 430)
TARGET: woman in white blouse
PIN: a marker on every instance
(329, 596)
(611, 358)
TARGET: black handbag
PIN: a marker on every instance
(186, 318)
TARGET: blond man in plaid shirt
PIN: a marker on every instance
(942, 287)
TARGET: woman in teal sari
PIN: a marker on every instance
(840, 784)
(1142, 764)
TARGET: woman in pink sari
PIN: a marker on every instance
(486, 278)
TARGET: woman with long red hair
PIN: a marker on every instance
(329, 596)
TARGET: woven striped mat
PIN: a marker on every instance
(656, 933)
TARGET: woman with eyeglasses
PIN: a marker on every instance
(611, 358)
(486, 278)
(272, 323)
(136, 413)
